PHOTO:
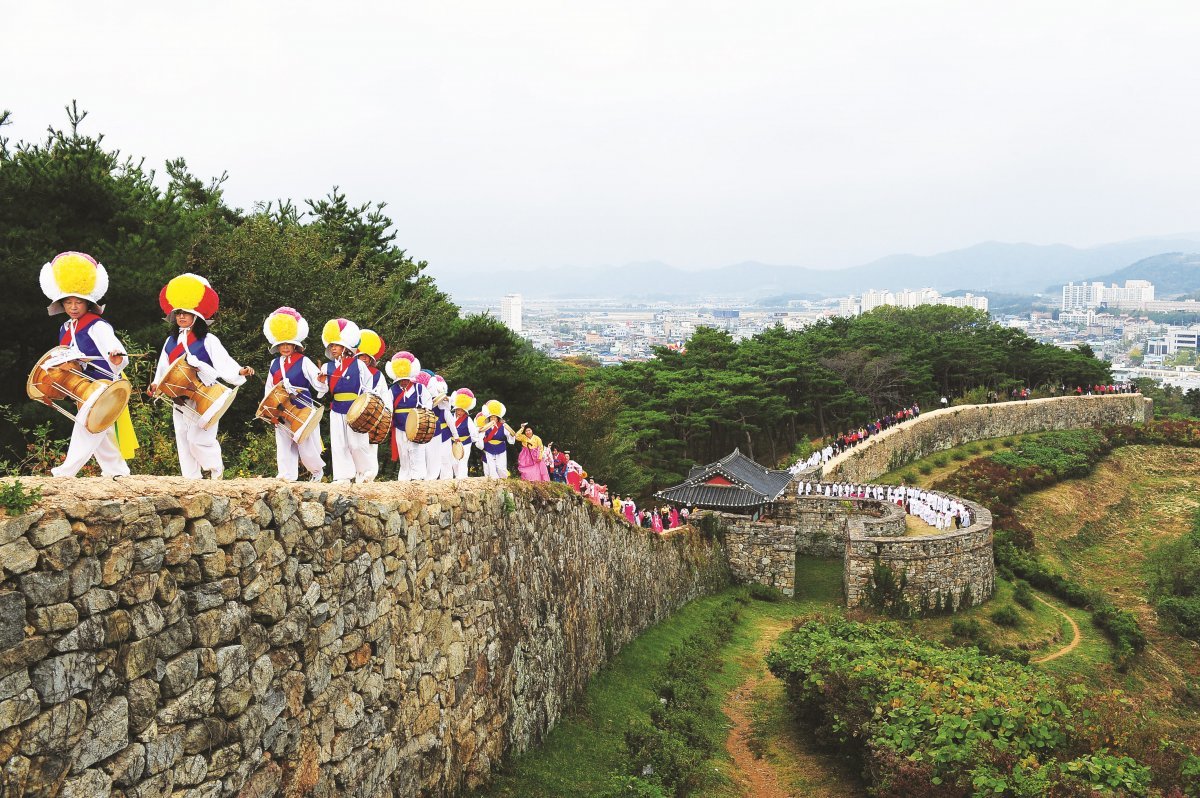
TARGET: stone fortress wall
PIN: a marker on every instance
(862, 532)
(939, 430)
(163, 637)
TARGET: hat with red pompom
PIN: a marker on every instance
(189, 292)
(73, 274)
(285, 326)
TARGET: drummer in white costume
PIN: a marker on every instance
(407, 396)
(370, 348)
(75, 283)
(285, 330)
(460, 429)
(494, 439)
(437, 450)
(190, 303)
(346, 377)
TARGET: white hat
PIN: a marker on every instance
(73, 274)
(339, 331)
(285, 326)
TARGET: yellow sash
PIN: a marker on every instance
(127, 441)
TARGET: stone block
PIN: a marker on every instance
(55, 618)
(107, 733)
(18, 709)
(58, 678)
(49, 532)
(14, 527)
(18, 557)
(56, 730)
(90, 783)
(12, 619)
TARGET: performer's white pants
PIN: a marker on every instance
(350, 451)
(451, 468)
(199, 449)
(495, 465)
(373, 469)
(84, 445)
(411, 458)
(288, 453)
(437, 452)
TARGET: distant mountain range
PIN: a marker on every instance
(991, 266)
(1173, 273)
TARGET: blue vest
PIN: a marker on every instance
(295, 376)
(96, 369)
(403, 405)
(348, 387)
(196, 347)
(498, 444)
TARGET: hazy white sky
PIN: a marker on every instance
(698, 133)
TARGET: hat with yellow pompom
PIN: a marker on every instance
(371, 344)
(403, 366)
(189, 292)
(73, 274)
(285, 326)
(341, 332)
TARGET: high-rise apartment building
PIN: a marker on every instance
(510, 312)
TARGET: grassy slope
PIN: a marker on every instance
(580, 753)
(1099, 530)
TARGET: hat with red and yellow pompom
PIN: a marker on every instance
(371, 344)
(342, 332)
(493, 407)
(189, 292)
(463, 399)
(403, 366)
(73, 274)
(285, 326)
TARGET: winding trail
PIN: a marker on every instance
(786, 769)
(1067, 649)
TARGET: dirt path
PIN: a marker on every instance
(785, 769)
(1067, 649)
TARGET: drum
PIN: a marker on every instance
(182, 381)
(369, 414)
(456, 449)
(293, 409)
(420, 425)
(99, 401)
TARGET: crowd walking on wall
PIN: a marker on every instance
(937, 510)
(373, 401)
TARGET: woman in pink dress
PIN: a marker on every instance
(656, 521)
(629, 510)
(673, 521)
(531, 462)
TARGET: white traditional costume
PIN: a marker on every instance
(93, 340)
(346, 377)
(406, 396)
(371, 346)
(494, 439)
(459, 429)
(199, 449)
(298, 374)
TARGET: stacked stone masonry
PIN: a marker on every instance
(944, 429)
(163, 637)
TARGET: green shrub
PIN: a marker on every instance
(973, 449)
(1023, 594)
(1005, 615)
(908, 477)
(940, 460)
(1008, 443)
(632, 787)
(760, 592)
(16, 500)
(969, 628)
(925, 468)
(928, 720)
(989, 446)
(885, 591)
(959, 455)
(1182, 613)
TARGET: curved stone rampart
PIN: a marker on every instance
(953, 565)
(167, 637)
(938, 430)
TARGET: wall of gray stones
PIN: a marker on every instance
(163, 637)
(944, 429)
(863, 532)
(946, 566)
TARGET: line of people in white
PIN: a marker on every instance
(936, 509)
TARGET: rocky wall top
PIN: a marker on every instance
(944, 429)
